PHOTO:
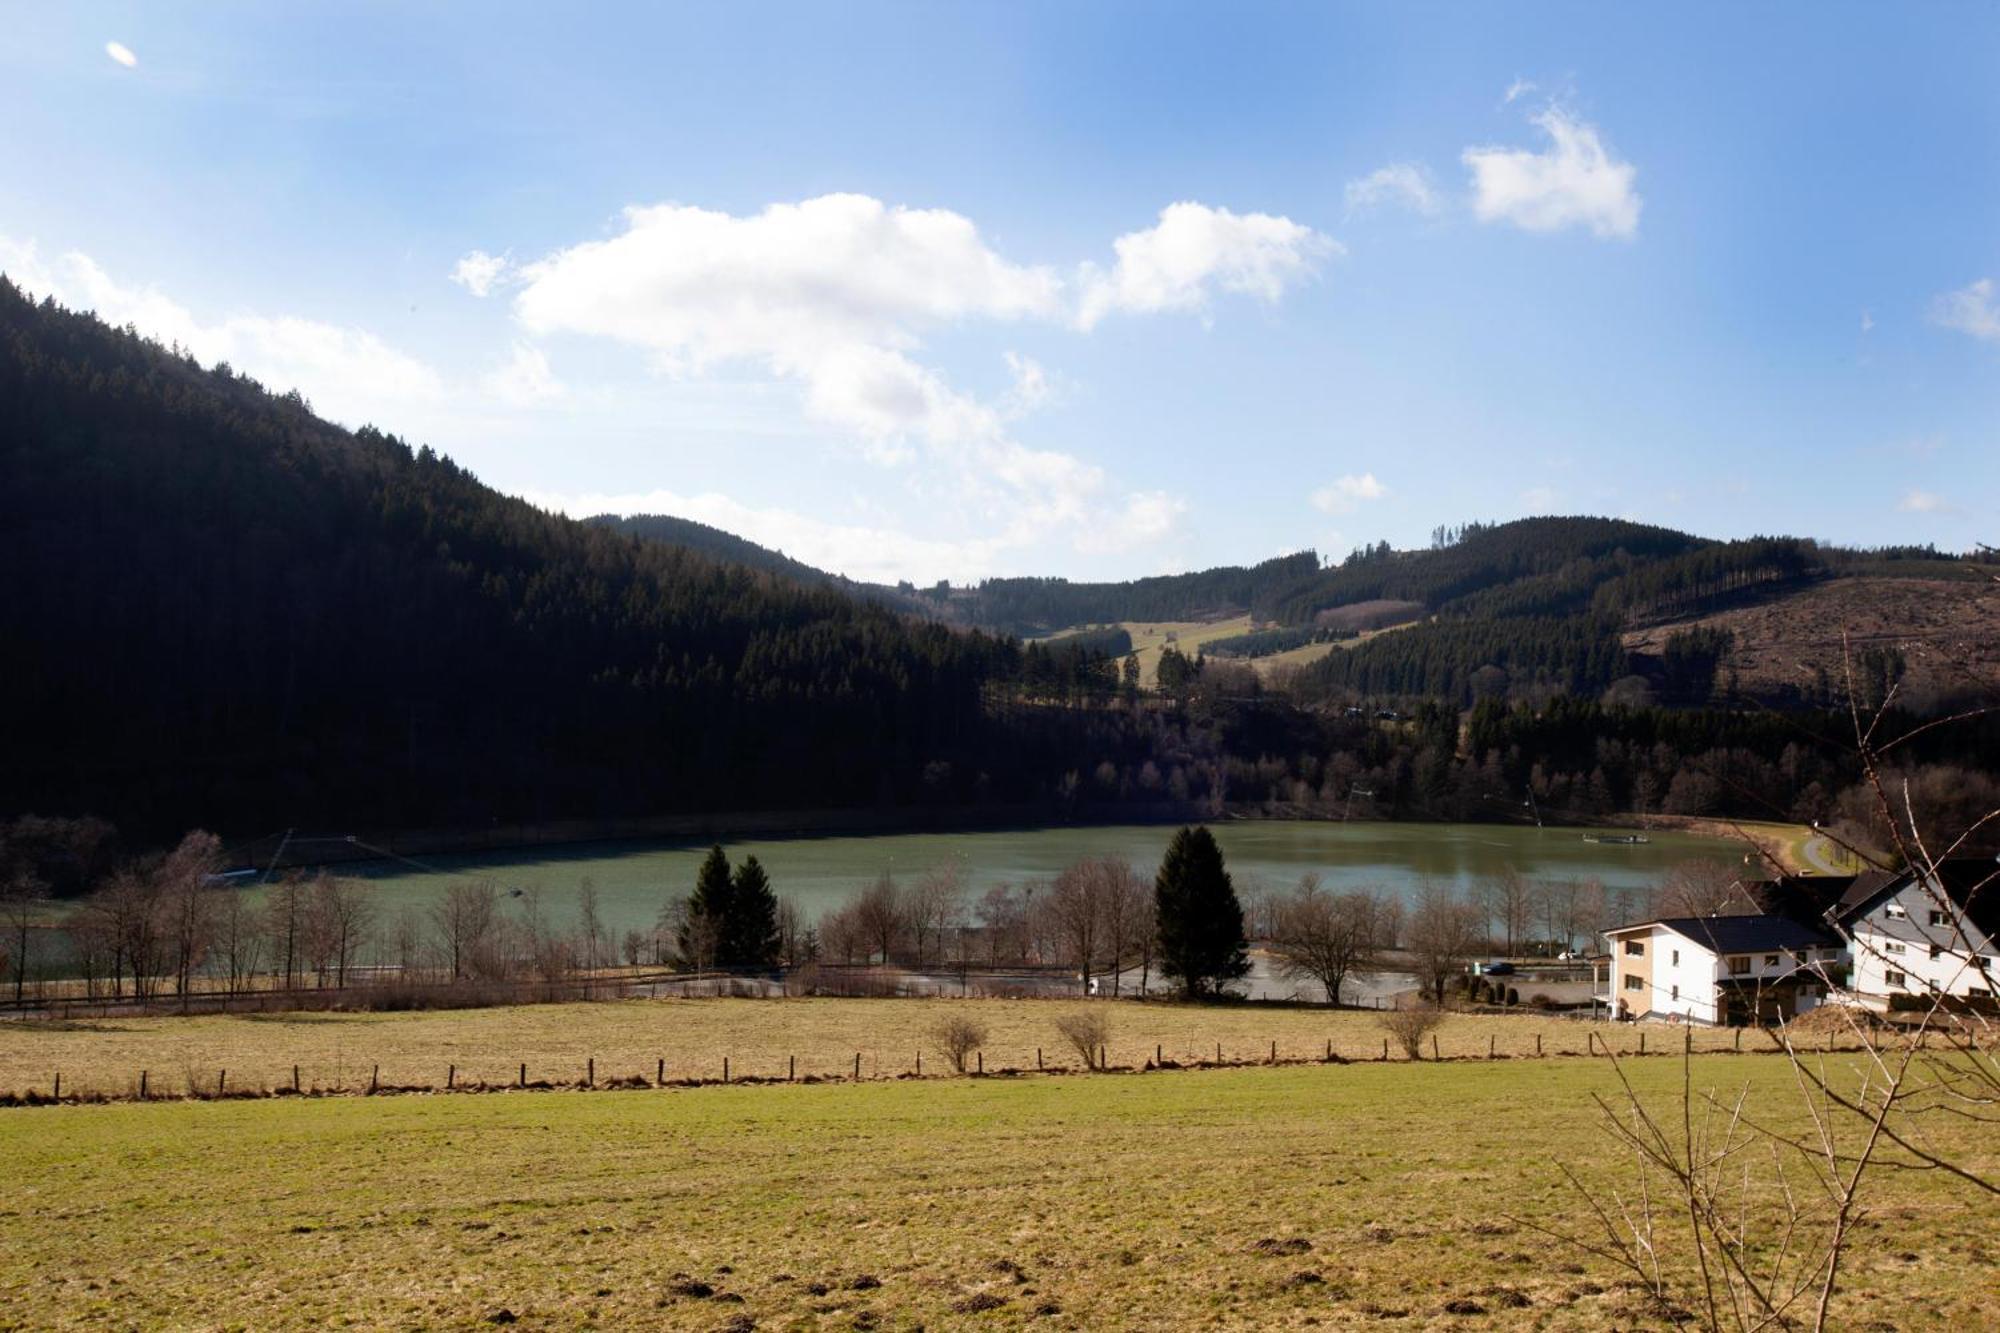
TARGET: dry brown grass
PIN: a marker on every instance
(761, 1038)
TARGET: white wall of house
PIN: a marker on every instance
(1678, 975)
(1906, 944)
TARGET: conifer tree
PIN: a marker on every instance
(709, 914)
(1200, 921)
(751, 935)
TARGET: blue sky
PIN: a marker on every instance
(944, 291)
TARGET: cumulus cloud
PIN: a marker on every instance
(122, 54)
(1345, 494)
(1194, 251)
(1573, 182)
(1923, 502)
(348, 374)
(836, 295)
(1401, 183)
(478, 271)
(524, 380)
(1970, 309)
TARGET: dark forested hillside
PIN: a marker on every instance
(727, 546)
(222, 609)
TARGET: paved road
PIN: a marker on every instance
(1817, 852)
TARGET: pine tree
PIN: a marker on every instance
(1200, 922)
(750, 939)
(710, 911)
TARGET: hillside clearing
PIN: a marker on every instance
(1152, 637)
(1266, 1198)
(760, 1038)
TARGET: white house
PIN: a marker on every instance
(1916, 936)
(1720, 969)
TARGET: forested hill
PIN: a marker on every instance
(223, 609)
(717, 544)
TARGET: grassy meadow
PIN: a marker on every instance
(760, 1038)
(1374, 1195)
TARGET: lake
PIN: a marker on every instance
(634, 879)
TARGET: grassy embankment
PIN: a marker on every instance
(760, 1038)
(1265, 1198)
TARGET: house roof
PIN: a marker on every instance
(1972, 884)
(1742, 934)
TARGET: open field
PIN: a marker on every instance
(760, 1038)
(1948, 631)
(1151, 637)
(1335, 1196)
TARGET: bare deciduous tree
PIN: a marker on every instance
(1408, 1026)
(881, 917)
(1442, 935)
(464, 920)
(1325, 937)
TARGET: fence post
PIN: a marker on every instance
(1100, 1057)
(374, 1079)
(660, 1074)
(725, 1069)
(1489, 1045)
(1385, 1048)
(1329, 1050)
(857, 1066)
(1538, 1045)
(1739, 1039)
(522, 1081)
(1218, 1052)
(59, 1085)
(920, 1062)
(982, 1062)
(221, 1081)
(1274, 1052)
(1434, 1046)
(1158, 1058)
(1038, 1057)
(450, 1076)
(792, 1069)
(1642, 1041)
(142, 1085)
(590, 1072)
(295, 1078)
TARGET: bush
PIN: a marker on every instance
(1513, 996)
(1410, 1026)
(958, 1039)
(1087, 1031)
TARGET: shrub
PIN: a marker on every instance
(957, 1039)
(1410, 1026)
(1513, 996)
(1087, 1031)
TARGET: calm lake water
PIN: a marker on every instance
(634, 879)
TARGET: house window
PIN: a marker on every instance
(1770, 960)
(1677, 958)
(1830, 954)
(1978, 993)
(1982, 962)
(1635, 948)
(1890, 946)
(1937, 918)
(1937, 950)
(1892, 977)
(1633, 981)
(1895, 912)
(1739, 965)
(1676, 993)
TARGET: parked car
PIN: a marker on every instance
(1496, 969)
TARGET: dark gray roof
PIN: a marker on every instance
(1972, 883)
(1751, 934)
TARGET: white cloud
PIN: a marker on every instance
(1538, 499)
(835, 295)
(1517, 89)
(1574, 182)
(1404, 183)
(525, 380)
(1194, 251)
(478, 271)
(121, 53)
(1923, 502)
(1346, 493)
(1867, 321)
(348, 374)
(1970, 309)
